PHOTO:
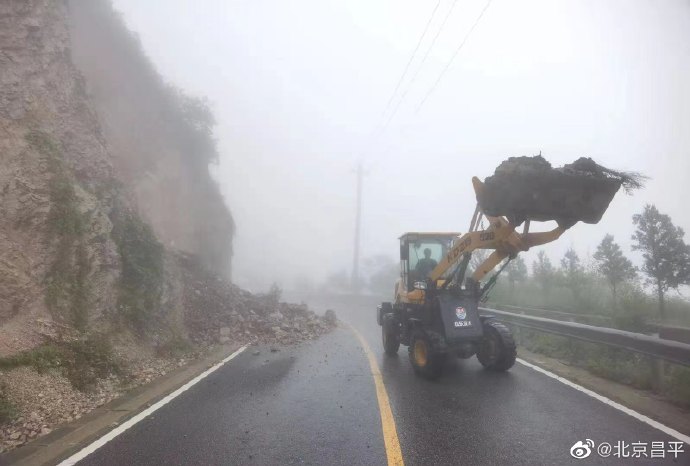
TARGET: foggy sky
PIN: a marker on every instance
(299, 86)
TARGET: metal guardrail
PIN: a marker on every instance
(669, 350)
(566, 315)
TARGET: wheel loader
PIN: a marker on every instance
(435, 307)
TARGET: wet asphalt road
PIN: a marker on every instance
(316, 404)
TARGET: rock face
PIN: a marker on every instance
(146, 125)
(91, 136)
(52, 156)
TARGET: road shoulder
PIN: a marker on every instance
(70, 438)
(638, 400)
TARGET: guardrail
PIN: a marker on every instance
(566, 315)
(669, 350)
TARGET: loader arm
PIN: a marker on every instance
(499, 236)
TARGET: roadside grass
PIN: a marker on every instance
(613, 364)
(634, 310)
(83, 361)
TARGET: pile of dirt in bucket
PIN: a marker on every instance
(529, 188)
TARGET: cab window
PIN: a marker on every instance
(424, 256)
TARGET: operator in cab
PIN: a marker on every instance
(425, 265)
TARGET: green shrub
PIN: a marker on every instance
(64, 218)
(141, 277)
(622, 366)
(275, 292)
(7, 409)
(40, 358)
(67, 290)
(82, 361)
(174, 347)
(88, 360)
(678, 383)
(614, 364)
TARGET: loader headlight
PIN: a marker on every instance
(420, 285)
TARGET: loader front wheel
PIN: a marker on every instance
(390, 334)
(426, 360)
(497, 351)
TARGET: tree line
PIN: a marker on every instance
(572, 284)
(665, 262)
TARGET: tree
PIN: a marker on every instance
(382, 272)
(666, 256)
(517, 272)
(194, 122)
(543, 271)
(338, 281)
(304, 284)
(613, 265)
(573, 273)
(478, 257)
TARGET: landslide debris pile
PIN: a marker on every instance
(216, 310)
(70, 375)
(529, 188)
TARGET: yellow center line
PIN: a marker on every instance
(390, 434)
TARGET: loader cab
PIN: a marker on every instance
(413, 263)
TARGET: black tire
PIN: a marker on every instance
(390, 335)
(497, 350)
(427, 361)
(384, 308)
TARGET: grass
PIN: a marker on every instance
(83, 361)
(634, 310)
(41, 358)
(678, 381)
(613, 364)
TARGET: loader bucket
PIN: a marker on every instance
(528, 188)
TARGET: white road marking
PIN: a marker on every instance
(640, 417)
(86, 451)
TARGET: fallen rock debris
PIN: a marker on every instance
(215, 312)
(224, 312)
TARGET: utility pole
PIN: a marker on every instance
(354, 281)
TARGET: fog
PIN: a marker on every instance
(300, 87)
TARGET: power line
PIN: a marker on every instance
(407, 67)
(377, 129)
(450, 62)
(419, 68)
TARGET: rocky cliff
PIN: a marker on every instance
(115, 243)
(161, 140)
(104, 168)
(56, 170)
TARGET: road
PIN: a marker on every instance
(317, 404)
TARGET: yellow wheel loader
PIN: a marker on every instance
(435, 307)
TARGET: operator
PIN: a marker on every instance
(426, 265)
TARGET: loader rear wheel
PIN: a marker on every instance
(426, 360)
(390, 334)
(497, 351)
